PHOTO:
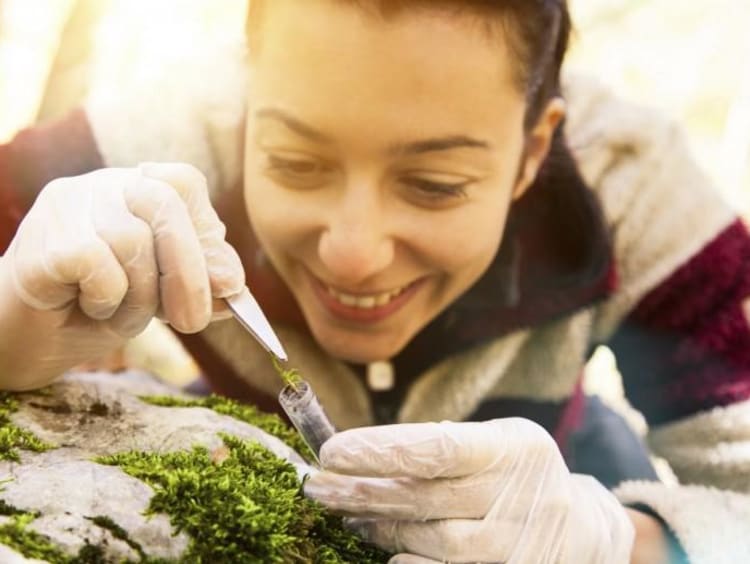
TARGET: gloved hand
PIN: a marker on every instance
(99, 255)
(497, 491)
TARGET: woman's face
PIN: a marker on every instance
(381, 160)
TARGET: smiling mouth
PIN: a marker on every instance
(364, 308)
(366, 301)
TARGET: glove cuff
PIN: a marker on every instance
(599, 529)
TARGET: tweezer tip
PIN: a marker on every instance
(282, 357)
(273, 345)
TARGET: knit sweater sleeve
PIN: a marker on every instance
(677, 321)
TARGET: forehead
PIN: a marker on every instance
(324, 53)
(487, 18)
(267, 20)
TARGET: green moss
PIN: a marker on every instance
(244, 506)
(119, 533)
(290, 376)
(238, 504)
(7, 509)
(15, 532)
(271, 424)
(17, 536)
(92, 554)
(12, 437)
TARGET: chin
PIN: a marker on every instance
(357, 356)
(360, 351)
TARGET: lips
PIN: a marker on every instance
(363, 308)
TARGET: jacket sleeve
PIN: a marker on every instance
(677, 322)
(684, 353)
(11, 210)
(37, 155)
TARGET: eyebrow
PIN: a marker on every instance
(412, 148)
(294, 124)
(439, 144)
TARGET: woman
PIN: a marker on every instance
(409, 198)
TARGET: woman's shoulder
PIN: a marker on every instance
(603, 127)
(629, 153)
(660, 207)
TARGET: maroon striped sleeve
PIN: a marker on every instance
(686, 346)
(37, 155)
(11, 211)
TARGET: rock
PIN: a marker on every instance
(86, 415)
(10, 556)
(100, 413)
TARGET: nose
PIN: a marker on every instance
(355, 244)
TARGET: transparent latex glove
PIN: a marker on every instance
(99, 255)
(497, 491)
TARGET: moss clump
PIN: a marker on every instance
(15, 533)
(17, 536)
(246, 506)
(12, 437)
(270, 423)
(7, 509)
(119, 533)
(242, 504)
(93, 554)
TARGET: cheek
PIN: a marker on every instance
(463, 242)
(279, 217)
(268, 223)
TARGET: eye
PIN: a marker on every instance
(297, 171)
(436, 190)
(296, 166)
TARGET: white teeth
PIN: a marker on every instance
(365, 302)
(347, 300)
(382, 299)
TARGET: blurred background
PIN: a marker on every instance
(690, 59)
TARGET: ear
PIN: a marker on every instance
(538, 143)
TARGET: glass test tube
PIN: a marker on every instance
(304, 410)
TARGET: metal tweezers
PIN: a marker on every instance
(247, 311)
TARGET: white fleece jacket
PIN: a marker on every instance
(661, 210)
